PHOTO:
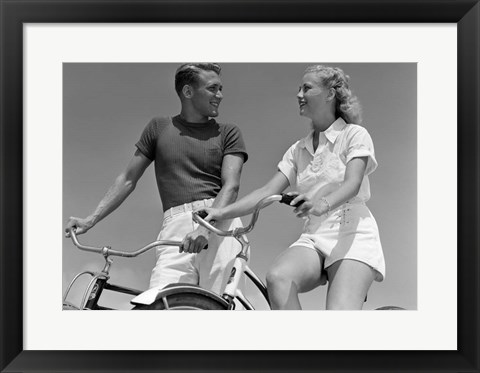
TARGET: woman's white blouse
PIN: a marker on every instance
(308, 171)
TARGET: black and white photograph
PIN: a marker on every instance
(315, 159)
(173, 174)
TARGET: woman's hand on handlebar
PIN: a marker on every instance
(209, 214)
(80, 225)
(305, 205)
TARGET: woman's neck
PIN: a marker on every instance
(321, 122)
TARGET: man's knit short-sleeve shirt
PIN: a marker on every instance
(188, 157)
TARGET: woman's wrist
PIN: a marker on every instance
(220, 214)
(324, 206)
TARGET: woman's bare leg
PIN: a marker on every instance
(296, 270)
(349, 281)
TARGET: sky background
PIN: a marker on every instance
(106, 107)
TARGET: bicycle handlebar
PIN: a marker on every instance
(264, 202)
(107, 251)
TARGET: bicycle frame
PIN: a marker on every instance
(233, 292)
(240, 267)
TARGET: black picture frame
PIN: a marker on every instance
(14, 13)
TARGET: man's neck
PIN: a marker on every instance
(193, 117)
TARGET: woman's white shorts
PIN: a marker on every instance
(348, 232)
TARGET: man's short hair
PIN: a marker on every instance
(188, 74)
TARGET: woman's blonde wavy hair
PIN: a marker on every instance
(347, 105)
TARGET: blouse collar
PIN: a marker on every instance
(331, 133)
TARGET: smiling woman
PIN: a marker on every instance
(334, 82)
(329, 170)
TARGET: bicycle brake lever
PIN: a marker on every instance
(286, 199)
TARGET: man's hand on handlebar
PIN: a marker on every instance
(195, 242)
(80, 225)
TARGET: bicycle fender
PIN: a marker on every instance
(150, 296)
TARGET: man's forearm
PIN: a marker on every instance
(114, 197)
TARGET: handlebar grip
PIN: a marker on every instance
(286, 199)
(203, 214)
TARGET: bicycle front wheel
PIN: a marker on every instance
(185, 297)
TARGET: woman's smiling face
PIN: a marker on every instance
(312, 95)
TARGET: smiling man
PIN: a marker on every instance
(198, 162)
